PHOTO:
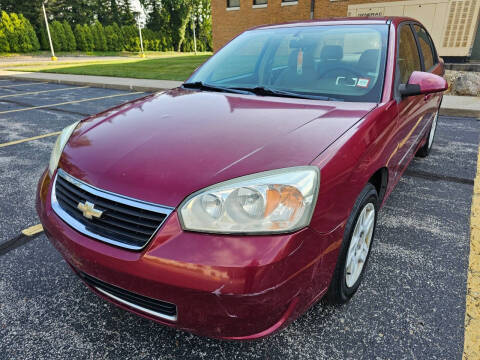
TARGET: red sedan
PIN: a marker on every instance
(230, 205)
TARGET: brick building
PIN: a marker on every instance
(453, 24)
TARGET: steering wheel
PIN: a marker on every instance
(341, 71)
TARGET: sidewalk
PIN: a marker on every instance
(464, 106)
(467, 106)
(109, 82)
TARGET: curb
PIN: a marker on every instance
(460, 112)
(130, 87)
(471, 347)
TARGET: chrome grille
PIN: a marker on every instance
(158, 308)
(124, 221)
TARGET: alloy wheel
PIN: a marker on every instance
(360, 244)
(432, 130)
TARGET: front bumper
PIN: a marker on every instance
(232, 287)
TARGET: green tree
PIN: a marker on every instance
(73, 11)
(31, 9)
(32, 36)
(131, 40)
(21, 36)
(90, 45)
(173, 19)
(99, 38)
(4, 45)
(125, 12)
(119, 33)
(113, 41)
(58, 36)
(80, 38)
(9, 30)
(43, 38)
(71, 43)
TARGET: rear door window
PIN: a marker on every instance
(426, 47)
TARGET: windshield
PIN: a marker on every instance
(341, 62)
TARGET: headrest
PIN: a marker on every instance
(292, 59)
(331, 52)
(368, 60)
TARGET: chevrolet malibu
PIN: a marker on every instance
(228, 206)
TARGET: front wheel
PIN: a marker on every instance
(356, 245)
(425, 149)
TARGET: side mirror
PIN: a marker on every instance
(423, 83)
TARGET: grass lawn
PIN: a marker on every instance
(164, 68)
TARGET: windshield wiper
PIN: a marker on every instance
(203, 86)
(266, 91)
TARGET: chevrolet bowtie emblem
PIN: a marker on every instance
(88, 210)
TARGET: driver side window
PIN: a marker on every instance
(408, 56)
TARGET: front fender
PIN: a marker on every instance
(348, 164)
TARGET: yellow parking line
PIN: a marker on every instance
(34, 83)
(69, 102)
(42, 91)
(29, 139)
(471, 349)
(32, 230)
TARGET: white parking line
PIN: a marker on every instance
(68, 102)
(34, 83)
(42, 91)
(29, 139)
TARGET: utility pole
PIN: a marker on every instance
(54, 58)
(141, 40)
(194, 35)
(140, 33)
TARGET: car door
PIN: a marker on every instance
(430, 63)
(411, 109)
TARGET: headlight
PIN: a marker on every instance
(58, 147)
(276, 201)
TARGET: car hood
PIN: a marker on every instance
(166, 146)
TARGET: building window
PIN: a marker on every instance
(260, 3)
(233, 4)
(289, 2)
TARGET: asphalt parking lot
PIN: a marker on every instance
(410, 306)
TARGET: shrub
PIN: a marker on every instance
(4, 46)
(80, 39)
(99, 39)
(59, 39)
(43, 38)
(71, 43)
(88, 38)
(4, 36)
(131, 40)
(9, 31)
(119, 33)
(31, 35)
(114, 42)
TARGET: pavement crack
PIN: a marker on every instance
(438, 177)
(16, 242)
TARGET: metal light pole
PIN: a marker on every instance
(194, 35)
(54, 58)
(140, 33)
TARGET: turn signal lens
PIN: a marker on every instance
(270, 202)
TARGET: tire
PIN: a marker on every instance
(425, 149)
(345, 281)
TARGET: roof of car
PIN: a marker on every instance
(339, 21)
